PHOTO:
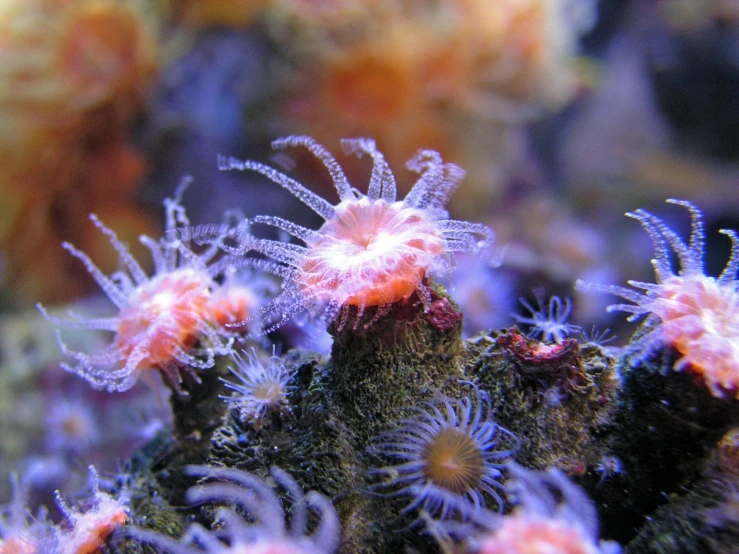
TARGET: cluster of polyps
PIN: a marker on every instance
(696, 314)
(164, 321)
(265, 531)
(373, 250)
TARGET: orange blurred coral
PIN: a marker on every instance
(456, 76)
(72, 76)
(217, 13)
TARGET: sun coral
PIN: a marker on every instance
(266, 531)
(241, 296)
(552, 515)
(451, 454)
(372, 250)
(262, 388)
(164, 321)
(90, 529)
(686, 309)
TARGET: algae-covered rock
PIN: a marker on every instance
(382, 365)
(703, 518)
(559, 399)
(666, 425)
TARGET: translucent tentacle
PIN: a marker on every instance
(312, 200)
(337, 174)
(382, 182)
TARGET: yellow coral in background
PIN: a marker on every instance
(62, 59)
(509, 58)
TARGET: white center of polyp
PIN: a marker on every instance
(163, 301)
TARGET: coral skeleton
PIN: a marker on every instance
(450, 457)
(696, 314)
(265, 530)
(163, 321)
(373, 250)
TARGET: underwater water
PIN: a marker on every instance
(354, 276)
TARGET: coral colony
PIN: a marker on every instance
(408, 437)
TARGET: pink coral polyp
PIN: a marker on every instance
(699, 318)
(373, 250)
(521, 535)
(164, 321)
(375, 254)
(696, 314)
(163, 316)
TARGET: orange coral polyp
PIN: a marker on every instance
(685, 308)
(373, 253)
(231, 305)
(163, 316)
(523, 535)
(373, 249)
(699, 320)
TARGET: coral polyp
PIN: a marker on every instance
(160, 318)
(451, 455)
(265, 531)
(263, 387)
(552, 515)
(550, 323)
(686, 309)
(90, 529)
(373, 250)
